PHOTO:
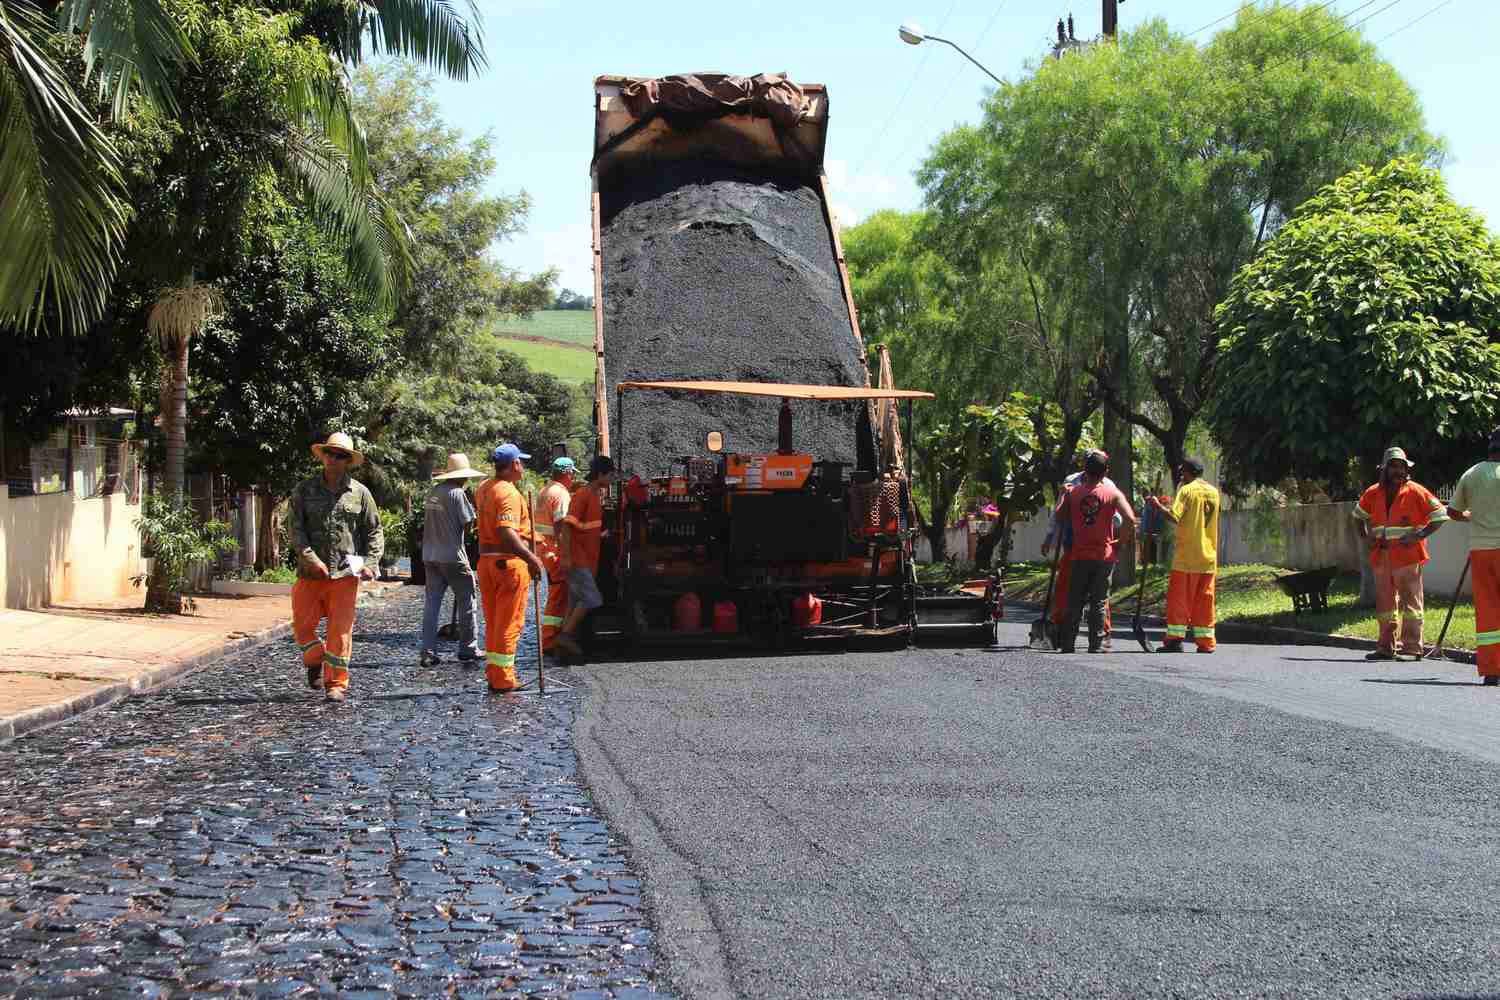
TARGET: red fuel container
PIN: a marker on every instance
(807, 610)
(726, 617)
(687, 613)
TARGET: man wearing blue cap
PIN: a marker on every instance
(548, 514)
(506, 564)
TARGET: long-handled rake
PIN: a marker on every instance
(536, 604)
(1039, 638)
(1436, 652)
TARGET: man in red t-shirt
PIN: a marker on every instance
(1090, 508)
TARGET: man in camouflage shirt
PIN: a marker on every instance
(335, 530)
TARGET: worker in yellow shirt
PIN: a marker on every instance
(551, 507)
(506, 564)
(1195, 560)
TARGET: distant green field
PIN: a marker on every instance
(567, 363)
(575, 326)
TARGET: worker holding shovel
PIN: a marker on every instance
(1477, 500)
(1195, 560)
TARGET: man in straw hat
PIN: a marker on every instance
(551, 508)
(1395, 517)
(1476, 499)
(506, 564)
(335, 529)
(446, 516)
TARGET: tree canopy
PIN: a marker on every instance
(1371, 319)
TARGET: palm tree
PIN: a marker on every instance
(62, 200)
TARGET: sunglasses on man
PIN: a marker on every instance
(342, 456)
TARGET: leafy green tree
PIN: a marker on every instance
(1152, 169)
(1372, 318)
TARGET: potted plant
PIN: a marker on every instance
(175, 540)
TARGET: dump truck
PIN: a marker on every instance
(763, 493)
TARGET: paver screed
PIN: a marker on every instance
(237, 834)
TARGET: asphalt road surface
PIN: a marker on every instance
(1266, 821)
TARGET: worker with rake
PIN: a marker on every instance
(1089, 508)
(506, 564)
(1477, 500)
(1195, 560)
(1395, 518)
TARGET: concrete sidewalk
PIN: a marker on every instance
(63, 660)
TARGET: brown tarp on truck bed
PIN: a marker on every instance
(770, 95)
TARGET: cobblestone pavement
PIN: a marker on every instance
(236, 834)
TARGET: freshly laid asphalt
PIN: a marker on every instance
(1266, 821)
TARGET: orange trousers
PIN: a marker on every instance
(556, 609)
(1484, 570)
(1190, 608)
(503, 585)
(1399, 589)
(314, 600)
(1060, 593)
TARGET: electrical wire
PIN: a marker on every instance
(896, 108)
(1414, 21)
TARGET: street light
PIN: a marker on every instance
(913, 35)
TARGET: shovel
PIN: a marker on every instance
(1136, 627)
(1039, 638)
(1436, 652)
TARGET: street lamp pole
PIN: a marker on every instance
(913, 35)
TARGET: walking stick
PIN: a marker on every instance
(536, 600)
(1436, 652)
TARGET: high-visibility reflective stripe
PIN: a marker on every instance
(1386, 618)
(552, 619)
(1486, 638)
(1407, 617)
(545, 530)
(1176, 631)
(337, 661)
(1393, 531)
(589, 525)
(500, 659)
(306, 646)
(1201, 633)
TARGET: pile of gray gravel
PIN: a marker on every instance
(715, 272)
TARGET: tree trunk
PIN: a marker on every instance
(266, 554)
(176, 420)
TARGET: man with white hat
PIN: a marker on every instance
(335, 530)
(1395, 518)
(446, 516)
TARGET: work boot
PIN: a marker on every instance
(567, 644)
(335, 694)
(1381, 654)
(502, 679)
(1490, 680)
(315, 675)
(1170, 646)
(429, 658)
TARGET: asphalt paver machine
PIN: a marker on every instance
(778, 548)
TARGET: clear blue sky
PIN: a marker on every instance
(888, 101)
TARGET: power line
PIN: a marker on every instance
(1414, 21)
(1220, 20)
(916, 73)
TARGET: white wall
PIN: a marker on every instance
(58, 548)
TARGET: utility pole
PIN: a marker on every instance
(1111, 17)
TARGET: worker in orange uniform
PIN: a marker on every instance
(583, 534)
(335, 530)
(551, 507)
(506, 564)
(1195, 560)
(1395, 517)
(1477, 500)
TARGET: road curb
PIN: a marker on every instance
(44, 717)
(1270, 635)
